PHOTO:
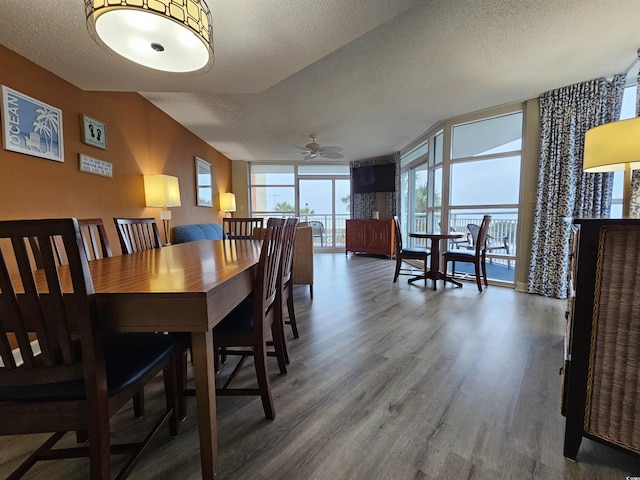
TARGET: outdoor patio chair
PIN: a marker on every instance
(492, 243)
(318, 230)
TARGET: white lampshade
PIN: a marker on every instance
(228, 202)
(167, 35)
(161, 191)
(611, 147)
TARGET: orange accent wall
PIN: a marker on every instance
(141, 139)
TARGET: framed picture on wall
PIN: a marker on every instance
(204, 183)
(94, 132)
(31, 127)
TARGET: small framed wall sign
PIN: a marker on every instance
(96, 167)
(204, 183)
(31, 127)
(94, 132)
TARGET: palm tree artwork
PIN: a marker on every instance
(46, 124)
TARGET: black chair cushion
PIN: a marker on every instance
(238, 322)
(128, 357)
(416, 250)
(462, 255)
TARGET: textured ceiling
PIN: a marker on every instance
(367, 75)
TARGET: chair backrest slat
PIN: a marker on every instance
(479, 234)
(94, 239)
(240, 228)
(94, 236)
(484, 231)
(137, 234)
(266, 286)
(288, 244)
(398, 236)
(47, 303)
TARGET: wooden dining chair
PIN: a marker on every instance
(94, 239)
(246, 330)
(240, 228)
(65, 375)
(96, 245)
(285, 277)
(492, 243)
(137, 234)
(407, 253)
(477, 256)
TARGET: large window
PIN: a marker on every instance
(318, 194)
(474, 170)
(485, 180)
(628, 111)
(414, 192)
(272, 190)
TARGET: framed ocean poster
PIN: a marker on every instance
(30, 126)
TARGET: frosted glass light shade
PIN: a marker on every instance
(227, 202)
(161, 191)
(168, 35)
(612, 146)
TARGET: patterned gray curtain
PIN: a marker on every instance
(362, 204)
(634, 207)
(563, 189)
(393, 198)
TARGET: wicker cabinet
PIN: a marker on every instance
(601, 383)
(370, 236)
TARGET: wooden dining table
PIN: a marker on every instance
(187, 287)
(434, 272)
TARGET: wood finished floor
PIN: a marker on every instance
(389, 382)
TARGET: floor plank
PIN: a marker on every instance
(391, 382)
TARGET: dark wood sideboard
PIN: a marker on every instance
(601, 371)
(370, 236)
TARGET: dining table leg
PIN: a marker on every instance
(434, 272)
(203, 369)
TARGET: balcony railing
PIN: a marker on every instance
(501, 226)
(331, 230)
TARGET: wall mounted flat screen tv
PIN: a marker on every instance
(374, 178)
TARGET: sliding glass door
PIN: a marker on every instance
(325, 204)
(318, 194)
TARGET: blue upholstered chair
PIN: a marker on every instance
(199, 231)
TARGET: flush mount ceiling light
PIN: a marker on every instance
(168, 35)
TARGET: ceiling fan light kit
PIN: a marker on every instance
(313, 150)
(167, 35)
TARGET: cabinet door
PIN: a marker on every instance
(356, 235)
(379, 235)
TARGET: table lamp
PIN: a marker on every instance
(162, 191)
(227, 203)
(612, 147)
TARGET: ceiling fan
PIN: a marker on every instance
(314, 150)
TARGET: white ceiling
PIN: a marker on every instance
(366, 75)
